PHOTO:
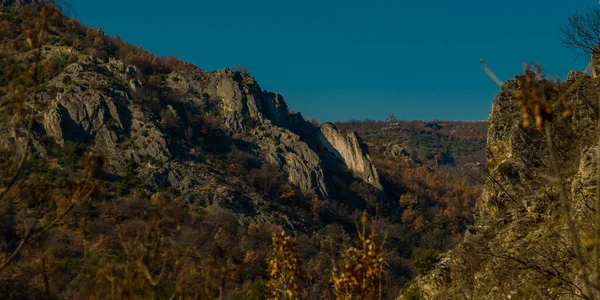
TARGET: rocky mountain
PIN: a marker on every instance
(101, 141)
(125, 173)
(529, 241)
(93, 101)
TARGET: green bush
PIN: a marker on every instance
(70, 155)
(425, 260)
(39, 165)
(412, 293)
(257, 290)
(129, 180)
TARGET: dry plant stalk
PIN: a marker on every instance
(539, 98)
(35, 40)
(284, 268)
(85, 191)
(359, 275)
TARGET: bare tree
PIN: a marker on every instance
(582, 32)
(392, 118)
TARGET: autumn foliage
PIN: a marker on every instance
(359, 274)
(284, 268)
(70, 229)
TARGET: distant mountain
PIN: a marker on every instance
(453, 143)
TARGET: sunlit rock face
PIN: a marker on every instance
(93, 101)
(520, 232)
(348, 147)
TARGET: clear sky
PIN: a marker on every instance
(337, 60)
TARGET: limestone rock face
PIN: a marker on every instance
(104, 104)
(91, 108)
(397, 150)
(284, 137)
(512, 154)
(241, 99)
(302, 165)
(520, 233)
(246, 108)
(518, 159)
(348, 147)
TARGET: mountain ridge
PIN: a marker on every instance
(135, 164)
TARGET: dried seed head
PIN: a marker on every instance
(537, 97)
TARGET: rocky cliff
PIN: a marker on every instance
(207, 165)
(521, 247)
(102, 103)
(348, 147)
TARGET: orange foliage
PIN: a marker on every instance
(431, 198)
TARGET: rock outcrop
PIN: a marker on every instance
(241, 98)
(285, 137)
(92, 101)
(302, 165)
(90, 107)
(348, 147)
(246, 108)
(520, 246)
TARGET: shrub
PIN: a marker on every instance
(242, 69)
(70, 155)
(359, 274)
(266, 180)
(425, 260)
(412, 293)
(169, 119)
(284, 268)
(240, 161)
(129, 179)
(258, 290)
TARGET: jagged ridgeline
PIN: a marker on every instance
(128, 175)
(132, 106)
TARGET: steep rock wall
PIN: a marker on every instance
(520, 247)
(348, 147)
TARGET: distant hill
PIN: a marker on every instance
(435, 142)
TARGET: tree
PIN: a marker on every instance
(392, 118)
(582, 32)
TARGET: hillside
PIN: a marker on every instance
(136, 176)
(450, 146)
(436, 142)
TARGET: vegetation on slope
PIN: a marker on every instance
(453, 143)
(73, 227)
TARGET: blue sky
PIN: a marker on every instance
(338, 60)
